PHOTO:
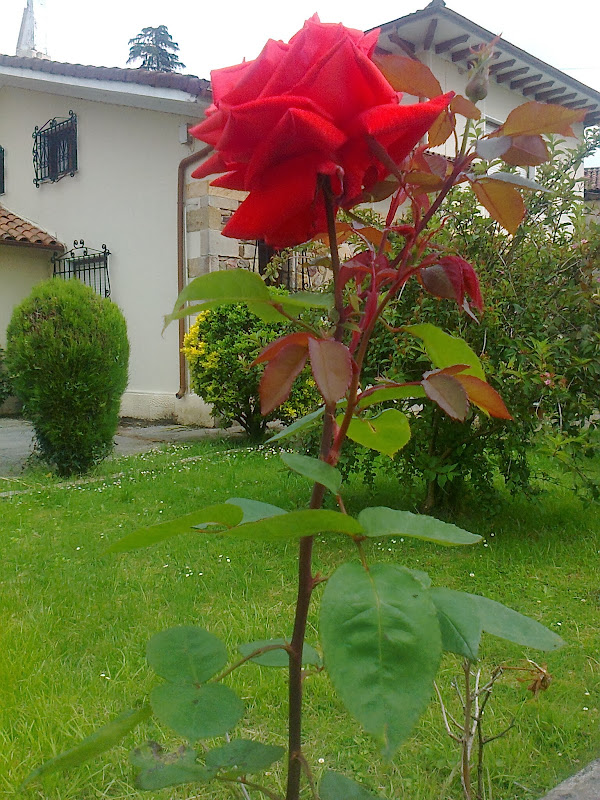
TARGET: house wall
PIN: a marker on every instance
(20, 269)
(124, 194)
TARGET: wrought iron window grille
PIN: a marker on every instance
(89, 266)
(55, 149)
(2, 184)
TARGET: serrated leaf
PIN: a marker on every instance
(305, 423)
(221, 514)
(506, 623)
(95, 744)
(296, 524)
(461, 105)
(279, 657)
(254, 510)
(159, 770)
(381, 521)
(386, 394)
(534, 118)
(445, 350)
(516, 180)
(221, 288)
(197, 712)
(408, 75)
(526, 151)
(448, 393)
(331, 365)
(387, 433)
(491, 149)
(441, 129)
(484, 396)
(279, 375)
(502, 201)
(459, 622)
(334, 786)
(314, 469)
(186, 654)
(382, 647)
(243, 756)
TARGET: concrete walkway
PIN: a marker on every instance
(583, 786)
(16, 440)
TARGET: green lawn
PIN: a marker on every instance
(74, 623)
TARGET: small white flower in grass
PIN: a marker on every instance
(321, 761)
(78, 548)
(471, 574)
(585, 708)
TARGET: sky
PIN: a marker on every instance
(217, 34)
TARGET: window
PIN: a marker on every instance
(2, 189)
(90, 266)
(55, 149)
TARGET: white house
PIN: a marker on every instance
(102, 155)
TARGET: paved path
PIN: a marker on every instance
(16, 440)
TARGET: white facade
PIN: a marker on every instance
(124, 195)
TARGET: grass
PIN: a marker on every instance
(74, 623)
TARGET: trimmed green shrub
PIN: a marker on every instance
(68, 356)
(5, 384)
(220, 347)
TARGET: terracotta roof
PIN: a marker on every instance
(592, 179)
(197, 87)
(15, 230)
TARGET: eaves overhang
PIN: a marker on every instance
(453, 37)
(94, 86)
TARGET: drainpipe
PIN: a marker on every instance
(181, 231)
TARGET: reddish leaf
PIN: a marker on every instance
(502, 201)
(331, 365)
(460, 105)
(279, 375)
(448, 393)
(482, 395)
(533, 118)
(526, 151)
(272, 349)
(452, 278)
(427, 181)
(441, 129)
(437, 164)
(408, 75)
(381, 191)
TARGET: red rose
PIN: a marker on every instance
(301, 110)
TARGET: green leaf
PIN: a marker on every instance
(159, 769)
(501, 621)
(381, 521)
(382, 647)
(186, 654)
(314, 469)
(334, 786)
(95, 744)
(254, 510)
(294, 302)
(197, 712)
(296, 524)
(220, 288)
(387, 433)
(303, 424)
(384, 395)
(243, 756)
(279, 657)
(445, 350)
(459, 622)
(517, 180)
(222, 514)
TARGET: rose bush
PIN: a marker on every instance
(315, 106)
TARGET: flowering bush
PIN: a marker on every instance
(308, 128)
(220, 348)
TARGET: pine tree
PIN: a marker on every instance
(157, 50)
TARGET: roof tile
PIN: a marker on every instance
(15, 230)
(198, 87)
